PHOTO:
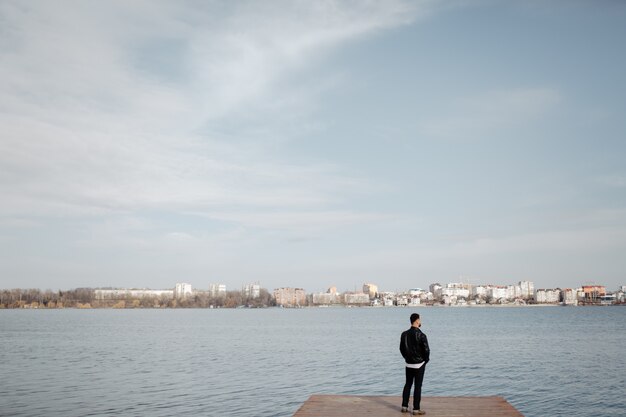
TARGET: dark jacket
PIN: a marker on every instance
(414, 346)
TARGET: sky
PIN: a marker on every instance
(312, 144)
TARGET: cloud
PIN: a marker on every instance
(544, 257)
(569, 240)
(119, 106)
(310, 221)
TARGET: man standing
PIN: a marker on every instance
(416, 353)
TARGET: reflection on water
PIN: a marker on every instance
(545, 361)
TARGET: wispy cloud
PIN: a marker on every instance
(302, 221)
(120, 106)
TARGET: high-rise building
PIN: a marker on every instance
(371, 289)
(527, 289)
(182, 290)
(217, 290)
(435, 289)
(251, 290)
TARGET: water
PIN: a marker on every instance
(545, 361)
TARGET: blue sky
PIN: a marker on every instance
(312, 144)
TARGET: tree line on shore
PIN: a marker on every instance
(85, 298)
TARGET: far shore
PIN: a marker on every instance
(312, 307)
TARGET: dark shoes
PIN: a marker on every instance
(415, 412)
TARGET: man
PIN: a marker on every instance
(416, 353)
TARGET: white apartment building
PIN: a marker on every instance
(480, 291)
(251, 290)
(570, 297)
(512, 291)
(217, 290)
(182, 290)
(547, 296)
(456, 289)
(498, 292)
(527, 289)
(523, 289)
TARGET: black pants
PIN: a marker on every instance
(418, 376)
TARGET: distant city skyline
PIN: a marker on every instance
(312, 144)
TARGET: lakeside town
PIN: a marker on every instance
(252, 295)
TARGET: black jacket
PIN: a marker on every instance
(414, 346)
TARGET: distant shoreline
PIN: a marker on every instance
(313, 307)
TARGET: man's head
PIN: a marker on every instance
(415, 320)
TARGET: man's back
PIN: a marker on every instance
(414, 346)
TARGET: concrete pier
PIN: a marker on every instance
(353, 405)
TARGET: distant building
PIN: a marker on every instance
(415, 296)
(356, 298)
(114, 294)
(498, 292)
(370, 289)
(547, 296)
(607, 299)
(290, 297)
(182, 290)
(569, 296)
(217, 290)
(553, 295)
(592, 293)
(414, 301)
(402, 300)
(455, 289)
(251, 290)
(480, 291)
(388, 298)
(436, 290)
(527, 289)
(326, 298)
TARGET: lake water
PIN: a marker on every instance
(545, 361)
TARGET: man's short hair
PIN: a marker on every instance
(414, 317)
